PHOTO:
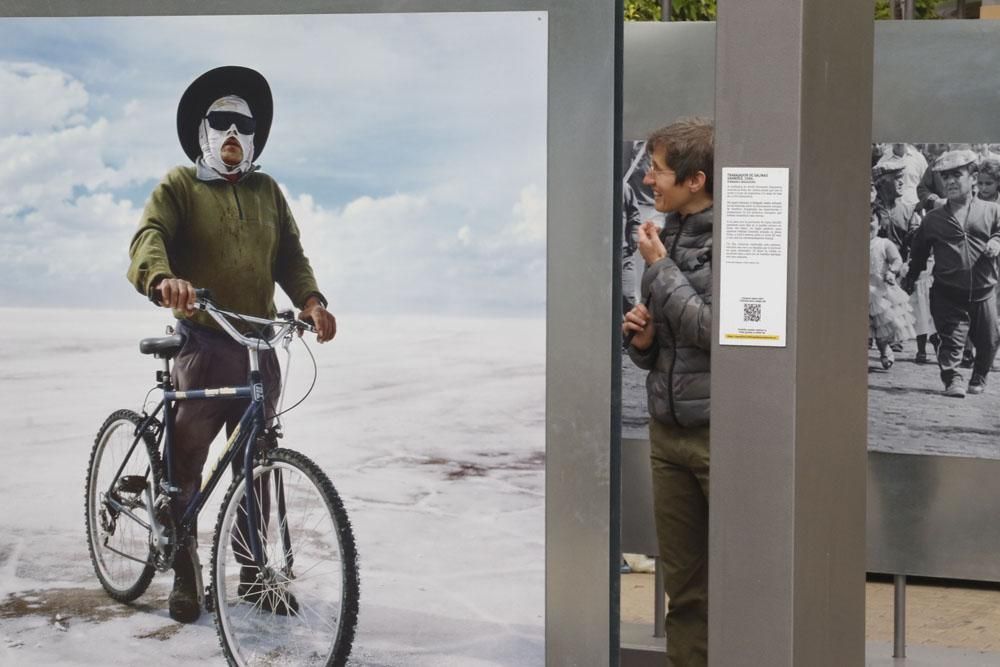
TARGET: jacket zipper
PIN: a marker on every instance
(965, 238)
(670, 329)
(236, 196)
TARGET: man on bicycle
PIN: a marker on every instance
(220, 224)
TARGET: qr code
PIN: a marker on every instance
(751, 312)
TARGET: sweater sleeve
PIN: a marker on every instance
(160, 220)
(687, 313)
(994, 220)
(926, 186)
(920, 250)
(292, 270)
(644, 359)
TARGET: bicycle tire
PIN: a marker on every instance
(320, 628)
(123, 579)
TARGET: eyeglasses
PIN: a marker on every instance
(651, 169)
(223, 120)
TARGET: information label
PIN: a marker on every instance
(754, 268)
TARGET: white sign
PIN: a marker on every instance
(754, 269)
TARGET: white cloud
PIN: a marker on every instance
(528, 226)
(73, 253)
(39, 169)
(37, 98)
(352, 242)
(62, 225)
(407, 153)
(412, 251)
(401, 87)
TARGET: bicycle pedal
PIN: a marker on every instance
(132, 484)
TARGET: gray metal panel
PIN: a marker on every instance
(637, 526)
(933, 516)
(935, 81)
(579, 502)
(793, 89)
(578, 495)
(658, 84)
(640, 648)
(931, 78)
(906, 80)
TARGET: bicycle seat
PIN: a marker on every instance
(165, 347)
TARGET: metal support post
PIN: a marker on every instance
(899, 616)
(659, 608)
(787, 588)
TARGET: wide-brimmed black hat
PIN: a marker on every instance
(216, 83)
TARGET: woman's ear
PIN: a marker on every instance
(696, 183)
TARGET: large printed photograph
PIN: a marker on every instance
(932, 380)
(932, 341)
(395, 174)
(637, 208)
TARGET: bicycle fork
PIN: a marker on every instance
(254, 502)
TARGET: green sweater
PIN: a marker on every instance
(236, 239)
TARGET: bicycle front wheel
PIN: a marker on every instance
(301, 607)
(119, 473)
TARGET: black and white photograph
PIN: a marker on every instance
(401, 203)
(933, 383)
(637, 208)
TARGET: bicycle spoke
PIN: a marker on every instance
(329, 626)
(119, 527)
(284, 618)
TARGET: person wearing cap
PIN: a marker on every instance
(898, 220)
(913, 164)
(224, 225)
(964, 237)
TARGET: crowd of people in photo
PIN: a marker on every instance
(935, 238)
(933, 258)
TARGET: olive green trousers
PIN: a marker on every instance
(679, 458)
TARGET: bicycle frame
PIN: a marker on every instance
(243, 439)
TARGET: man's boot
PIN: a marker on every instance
(185, 598)
(955, 388)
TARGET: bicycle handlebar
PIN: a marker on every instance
(285, 324)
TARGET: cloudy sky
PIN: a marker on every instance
(411, 149)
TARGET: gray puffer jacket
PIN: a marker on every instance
(678, 291)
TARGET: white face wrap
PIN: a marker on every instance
(211, 140)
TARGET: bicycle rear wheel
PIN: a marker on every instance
(302, 607)
(117, 521)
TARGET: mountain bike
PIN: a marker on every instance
(281, 519)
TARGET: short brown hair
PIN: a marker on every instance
(690, 145)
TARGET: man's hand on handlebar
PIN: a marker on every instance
(176, 293)
(322, 320)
